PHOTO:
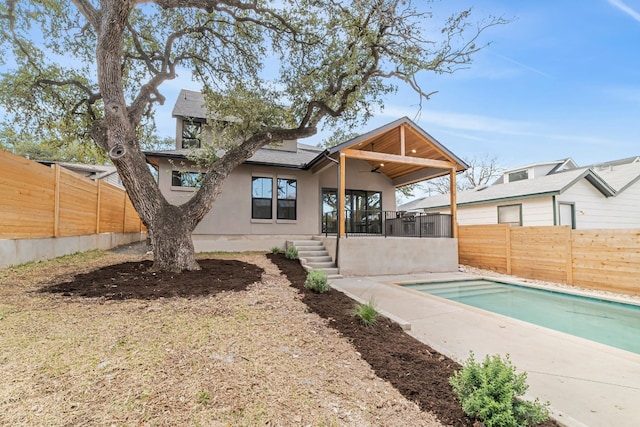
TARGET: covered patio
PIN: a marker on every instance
(405, 154)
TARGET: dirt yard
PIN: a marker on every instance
(96, 339)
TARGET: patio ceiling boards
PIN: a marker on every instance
(402, 151)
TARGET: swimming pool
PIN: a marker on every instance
(607, 322)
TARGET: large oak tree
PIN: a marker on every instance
(94, 69)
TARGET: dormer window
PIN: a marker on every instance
(191, 133)
(518, 175)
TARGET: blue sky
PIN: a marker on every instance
(561, 80)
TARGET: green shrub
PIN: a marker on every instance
(491, 393)
(291, 253)
(367, 313)
(317, 281)
(204, 397)
(275, 250)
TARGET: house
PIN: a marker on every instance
(290, 191)
(106, 173)
(605, 195)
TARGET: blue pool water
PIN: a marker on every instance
(612, 323)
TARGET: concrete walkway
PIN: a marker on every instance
(587, 384)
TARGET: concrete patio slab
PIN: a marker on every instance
(587, 383)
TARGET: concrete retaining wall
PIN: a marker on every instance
(20, 251)
(373, 256)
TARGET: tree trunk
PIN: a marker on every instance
(172, 243)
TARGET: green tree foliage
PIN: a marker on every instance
(84, 69)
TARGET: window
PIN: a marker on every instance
(186, 179)
(287, 197)
(191, 131)
(510, 214)
(261, 198)
(519, 175)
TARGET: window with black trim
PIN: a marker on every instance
(510, 214)
(186, 179)
(287, 198)
(261, 198)
(191, 132)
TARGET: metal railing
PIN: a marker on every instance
(390, 224)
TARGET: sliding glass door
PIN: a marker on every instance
(363, 211)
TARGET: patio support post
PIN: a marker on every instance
(454, 207)
(341, 196)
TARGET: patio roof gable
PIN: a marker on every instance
(403, 151)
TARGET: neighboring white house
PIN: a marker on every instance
(605, 195)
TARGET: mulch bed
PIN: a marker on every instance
(134, 280)
(420, 373)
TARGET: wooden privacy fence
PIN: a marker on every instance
(596, 259)
(38, 201)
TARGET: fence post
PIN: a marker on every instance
(507, 243)
(569, 251)
(56, 200)
(124, 212)
(98, 203)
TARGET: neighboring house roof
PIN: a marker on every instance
(553, 167)
(94, 172)
(618, 175)
(548, 185)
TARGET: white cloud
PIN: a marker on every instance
(625, 8)
(490, 128)
(523, 66)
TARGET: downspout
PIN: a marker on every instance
(555, 213)
(339, 206)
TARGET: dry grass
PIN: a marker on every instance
(241, 359)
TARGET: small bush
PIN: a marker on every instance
(491, 393)
(317, 282)
(275, 250)
(204, 397)
(291, 253)
(367, 313)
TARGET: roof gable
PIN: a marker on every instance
(401, 150)
(190, 104)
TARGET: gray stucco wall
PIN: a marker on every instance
(230, 217)
(364, 256)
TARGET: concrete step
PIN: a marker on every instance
(310, 249)
(298, 243)
(306, 254)
(320, 265)
(313, 256)
(323, 258)
(331, 272)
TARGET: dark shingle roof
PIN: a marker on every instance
(264, 156)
